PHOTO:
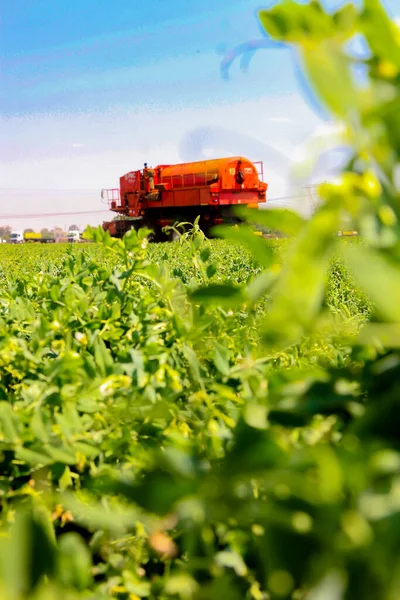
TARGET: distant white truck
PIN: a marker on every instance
(74, 236)
(17, 237)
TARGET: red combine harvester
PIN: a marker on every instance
(167, 194)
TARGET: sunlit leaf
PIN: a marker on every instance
(217, 294)
(381, 32)
(275, 219)
(245, 236)
(379, 278)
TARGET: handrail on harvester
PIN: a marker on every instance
(261, 169)
(111, 195)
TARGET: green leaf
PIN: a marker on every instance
(102, 357)
(74, 562)
(141, 589)
(232, 560)
(246, 236)
(65, 480)
(261, 285)
(217, 294)
(193, 361)
(62, 454)
(330, 76)
(381, 32)
(181, 585)
(88, 450)
(116, 518)
(131, 239)
(211, 270)
(378, 278)
(298, 292)
(319, 39)
(29, 554)
(205, 254)
(34, 457)
(276, 219)
(38, 426)
(221, 358)
(295, 22)
(9, 423)
(298, 22)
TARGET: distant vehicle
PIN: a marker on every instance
(347, 233)
(19, 237)
(74, 236)
(32, 236)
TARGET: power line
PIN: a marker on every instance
(55, 214)
(92, 212)
(93, 191)
(73, 190)
(269, 202)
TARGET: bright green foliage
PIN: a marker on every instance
(209, 419)
(105, 362)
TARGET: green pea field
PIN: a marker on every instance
(166, 449)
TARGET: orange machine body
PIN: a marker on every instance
(162, 195)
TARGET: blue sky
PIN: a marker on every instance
(95, 55)
(93, 88)
(90, 54)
